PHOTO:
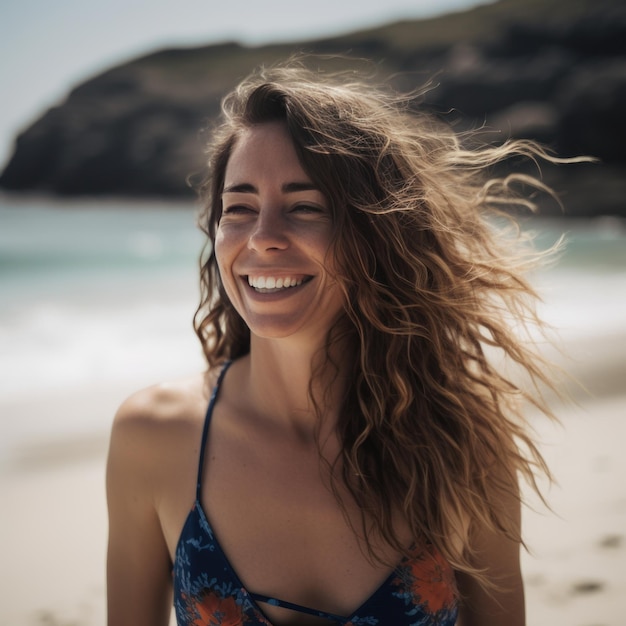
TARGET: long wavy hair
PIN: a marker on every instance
(432, 266)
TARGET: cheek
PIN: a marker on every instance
(331, 263)
(226, 251)
(223, 264)
(221, 252)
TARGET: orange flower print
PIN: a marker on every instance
(434, 581)
(428, 580)
(211, 610)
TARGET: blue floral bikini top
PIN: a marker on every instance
(421, 591)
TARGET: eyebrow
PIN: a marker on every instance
(294, 187)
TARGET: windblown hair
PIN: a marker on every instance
(433, 273)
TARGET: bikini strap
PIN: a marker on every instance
(257, 597)
(205, 429)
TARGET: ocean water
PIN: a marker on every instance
(95, 293)
(584, 292)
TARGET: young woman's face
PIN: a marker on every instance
(273, 239)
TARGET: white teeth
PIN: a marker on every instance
(270, 283)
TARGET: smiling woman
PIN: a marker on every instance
(358, 461)
(273, 239)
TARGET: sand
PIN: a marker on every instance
(575, 572)
(54, 511)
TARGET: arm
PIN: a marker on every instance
(138, 563)
(499, 558)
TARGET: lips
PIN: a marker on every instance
(274, 284)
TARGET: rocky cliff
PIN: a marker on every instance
(552, 70)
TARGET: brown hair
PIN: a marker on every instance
(432, 268)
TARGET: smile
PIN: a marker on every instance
(272, 284)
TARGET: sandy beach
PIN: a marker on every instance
(54, 512)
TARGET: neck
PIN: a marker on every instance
(278, 378)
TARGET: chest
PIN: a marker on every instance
(269, 504)
(281, 527)
(269, 524)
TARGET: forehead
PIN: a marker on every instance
(261, 151)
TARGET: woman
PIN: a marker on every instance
(358, 462)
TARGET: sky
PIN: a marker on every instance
(47, 47)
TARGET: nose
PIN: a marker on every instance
(269, 232)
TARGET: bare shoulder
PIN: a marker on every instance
(156, 425)
(163, 408)
(160, 404)
(150, 485)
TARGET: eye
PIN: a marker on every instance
(236, 209)
(309, 209)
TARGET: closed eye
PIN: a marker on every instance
(309, 209)
(236, 209)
